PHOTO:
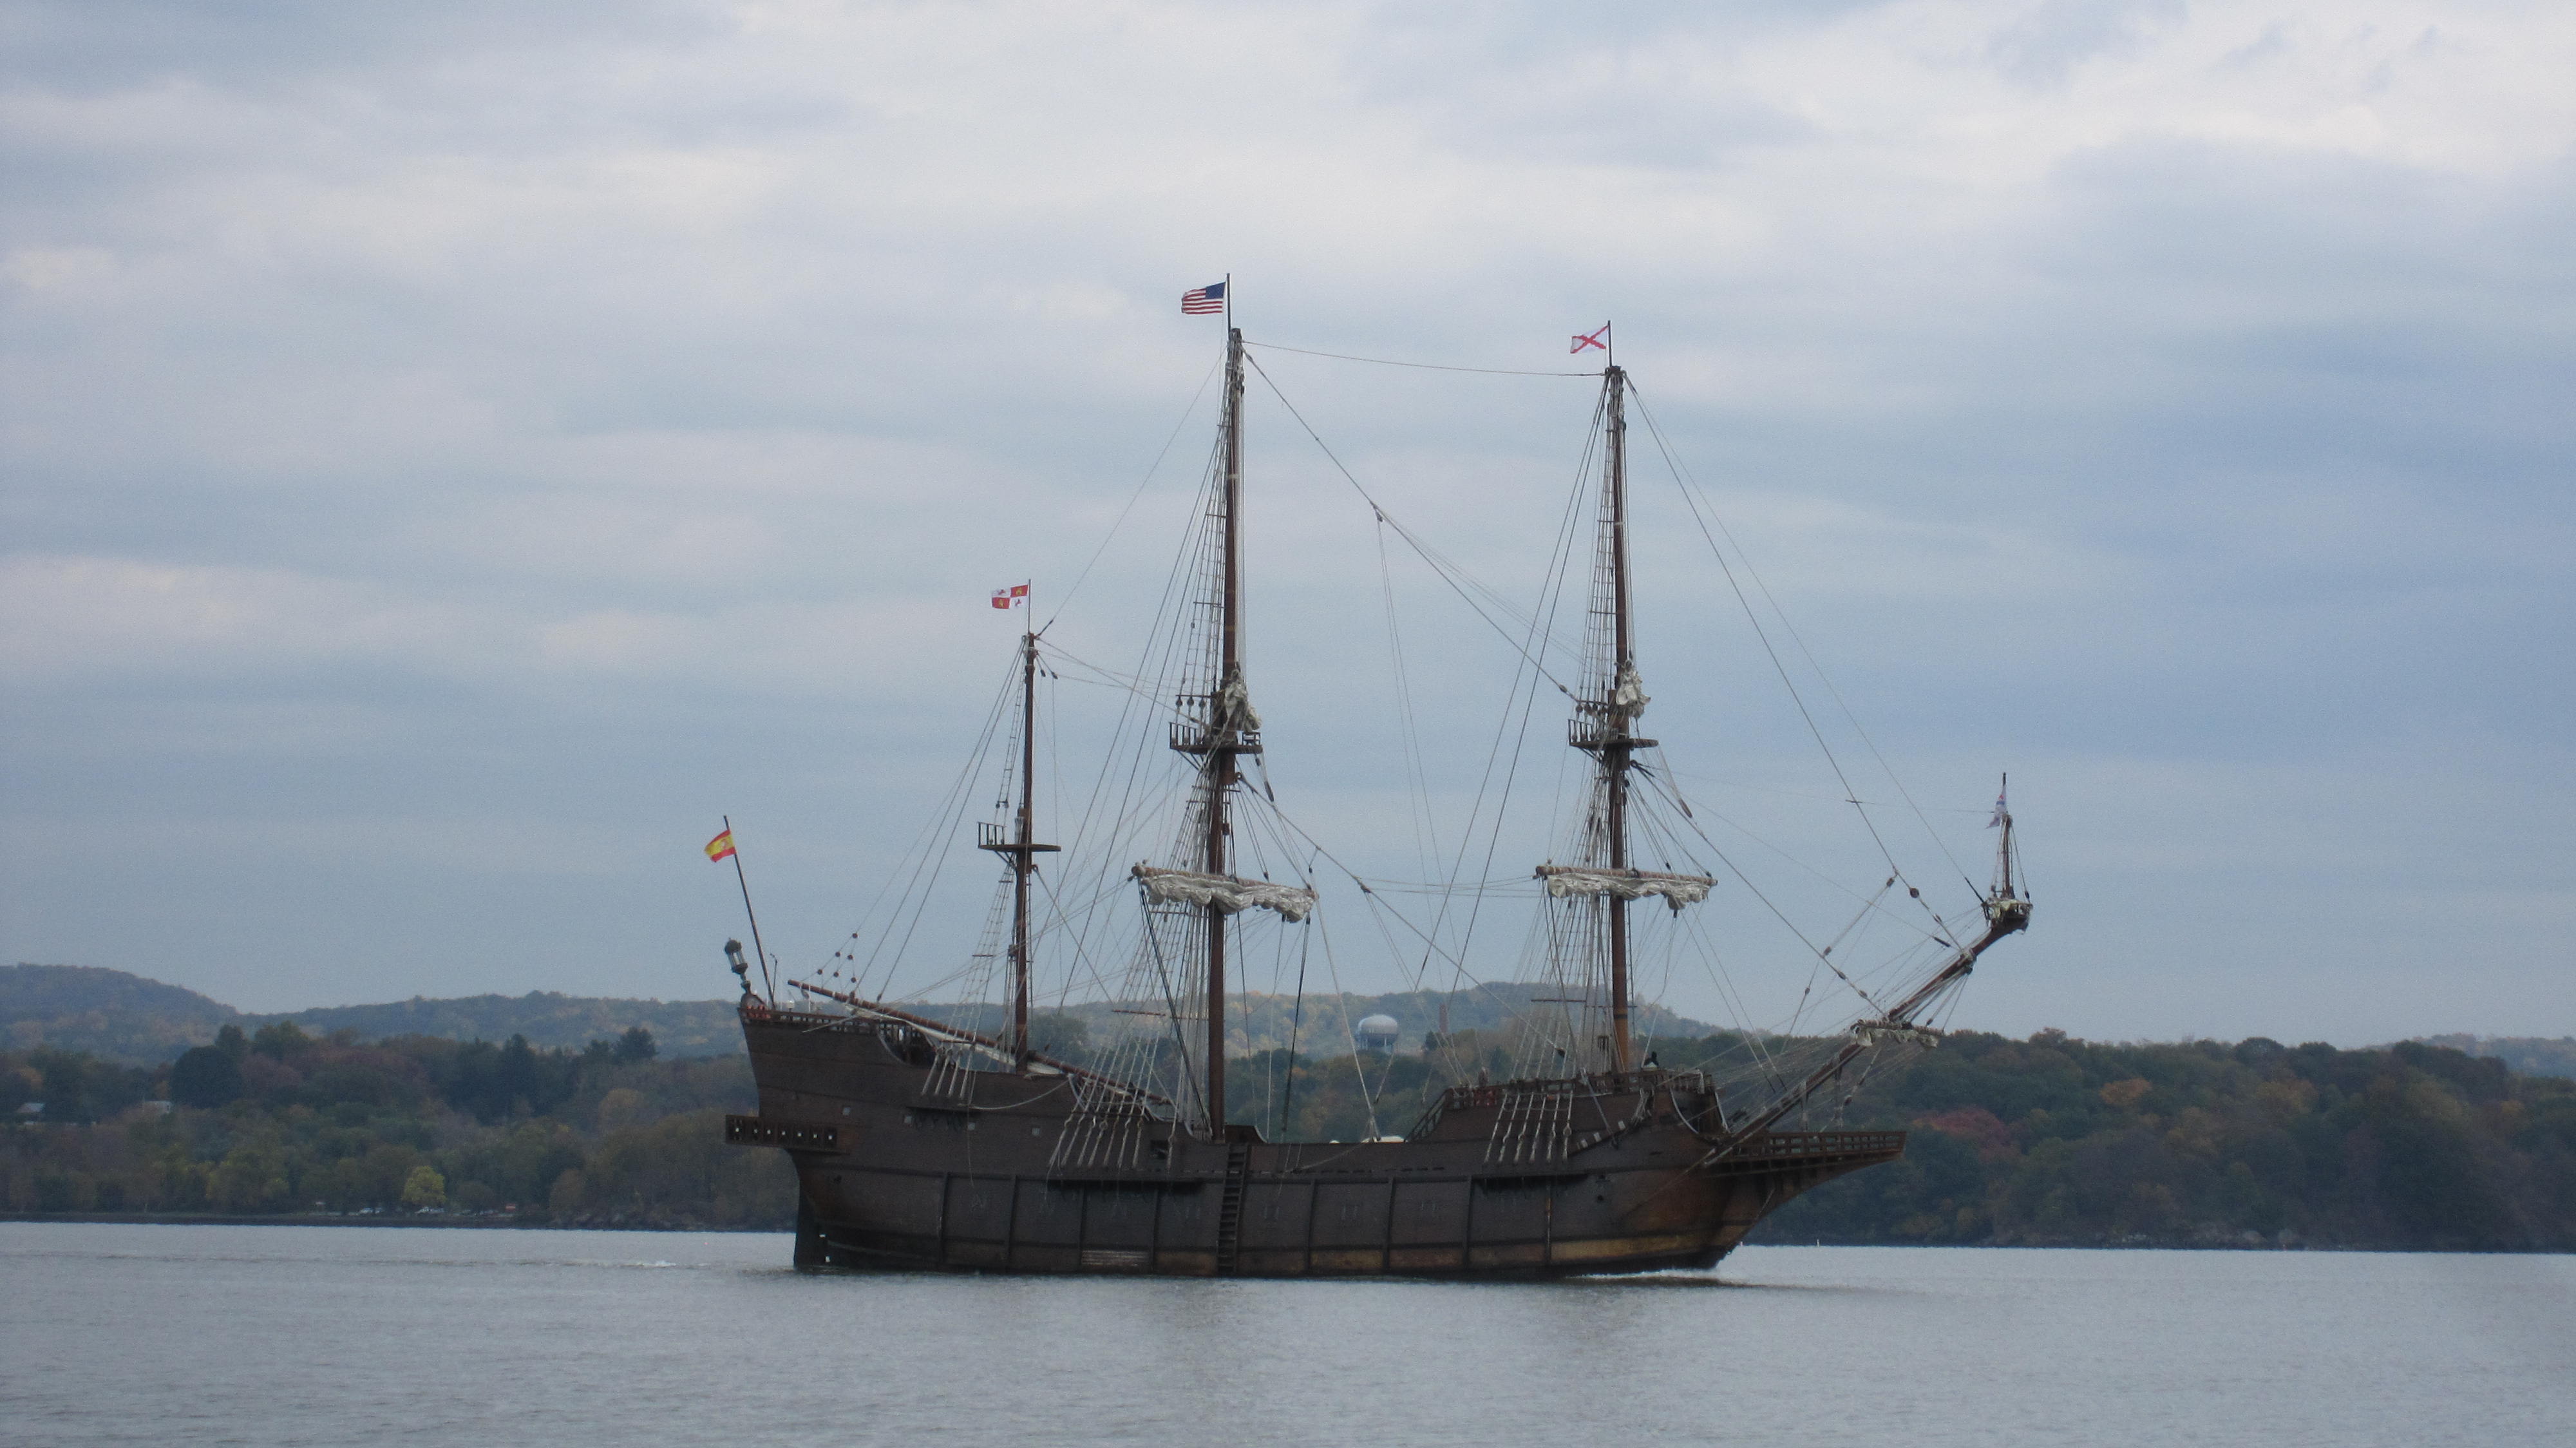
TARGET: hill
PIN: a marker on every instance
(107, 1013)
(546, 1018)
(2527, 1055)
(118, 1016)
(1322, 1022)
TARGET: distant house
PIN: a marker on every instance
(31, 1111)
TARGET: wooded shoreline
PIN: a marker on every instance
(2046, 1141)
(2049, 1141)
(323, 1219)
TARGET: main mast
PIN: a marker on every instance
(1217, 728)
(1232, 702)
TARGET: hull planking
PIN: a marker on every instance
(905, 1160)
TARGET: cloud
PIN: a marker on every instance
(70, 616)
(563, 420)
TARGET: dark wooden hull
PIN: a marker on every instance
(905, 1161)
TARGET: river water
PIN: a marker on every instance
(336, 1335)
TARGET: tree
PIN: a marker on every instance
(205, 1077)
(425, 1188)
(636, 1046)
(515, 1078)
(63, 1073)
(251, 1178)
(281, 1039)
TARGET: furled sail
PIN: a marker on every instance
(1629, 697)
(1225, 892)
(1234, 705)
(1567, 881)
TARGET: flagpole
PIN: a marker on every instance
(766, 985)
(1229, 302)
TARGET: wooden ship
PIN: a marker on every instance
(921, 1143)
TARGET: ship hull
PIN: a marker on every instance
(906, 1161)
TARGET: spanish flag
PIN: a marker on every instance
(721, 847)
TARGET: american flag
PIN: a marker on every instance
(1207, 299)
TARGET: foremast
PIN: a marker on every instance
(1615, 744)
(1599, 889)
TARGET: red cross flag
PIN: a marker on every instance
(1592, 341)
(1011, 597)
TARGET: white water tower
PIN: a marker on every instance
(1377, 1033)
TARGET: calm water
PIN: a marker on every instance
(124, 1334)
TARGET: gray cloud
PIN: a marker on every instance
(454, 454)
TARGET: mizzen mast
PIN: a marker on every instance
(1020, 847)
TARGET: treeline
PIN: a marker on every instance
(281, 1122)
(2048, 1141)
(2055, 1141)
(2058, 1141)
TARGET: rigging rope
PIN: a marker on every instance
(1688, 487)
(1776, 912)
(1665, 788)
(927, 861)
(1450, 573)
(1427, 833)
(1132, 499)
(1425, 366)
(1525, 682)
(1342, 998)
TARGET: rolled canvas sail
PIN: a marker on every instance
(1225, 892)
(1566, 881)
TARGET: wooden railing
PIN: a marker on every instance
(1822, 1143)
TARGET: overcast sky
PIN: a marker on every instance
(456, 452)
